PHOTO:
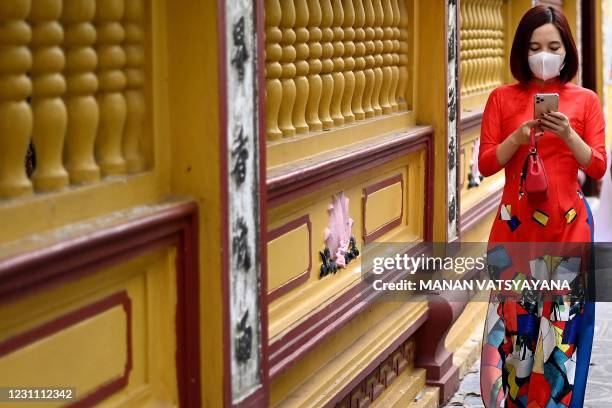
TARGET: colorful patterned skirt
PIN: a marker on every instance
(537, 348)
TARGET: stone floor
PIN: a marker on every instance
(599, 384)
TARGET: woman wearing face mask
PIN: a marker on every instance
(536, 351)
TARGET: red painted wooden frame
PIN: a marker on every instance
(23, 274)
(259, 397)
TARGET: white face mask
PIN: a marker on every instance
(546, 65)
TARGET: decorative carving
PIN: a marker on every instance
(474, 176)
(340, 244)
(452, 104)
(242, 179)
(241, 55)
(240, 244)
(452, 210)
(381, 377)
(452, 122)
(244, 339)
(240, 155)
(329, 265)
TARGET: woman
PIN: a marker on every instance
(536, 351)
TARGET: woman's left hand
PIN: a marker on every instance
(558, 123)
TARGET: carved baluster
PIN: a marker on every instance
(402, 86)
(387, 12)
(349, 61)
(274, 70)
(285, 120)
(134, 92)
(314, 63)
(15, 87)
(488, 48)
(369, 59)
(489, 45)
(499, 67)
(378, 58)
(111, 60)
(301, 65)
(49, 111)
(472, 49)
(395, 56)
(462, 51)
(466, 42)
(336, 111)
(357, 103)
(328, 64)
(81, 86)
(480, 52)
(493, 46)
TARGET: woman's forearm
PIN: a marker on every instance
(506, 149)
(580, 150)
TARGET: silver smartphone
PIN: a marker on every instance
(544, 102)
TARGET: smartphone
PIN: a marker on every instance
(545, 102)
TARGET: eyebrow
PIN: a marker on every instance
(537, 43)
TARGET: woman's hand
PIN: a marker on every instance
(557, 123)
(522, 134)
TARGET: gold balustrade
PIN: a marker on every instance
(330, 63)
(482, 45)
(72, 83)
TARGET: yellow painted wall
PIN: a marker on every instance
(92, 352)
(193, 103)
(183, 108)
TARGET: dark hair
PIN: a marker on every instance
(535, 17)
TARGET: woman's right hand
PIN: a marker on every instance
(522, 134)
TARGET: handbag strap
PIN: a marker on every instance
(532, 151)
(533, 145)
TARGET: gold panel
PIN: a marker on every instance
(80, 344)
(383, 205)
(289, 253)
(86, 354)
